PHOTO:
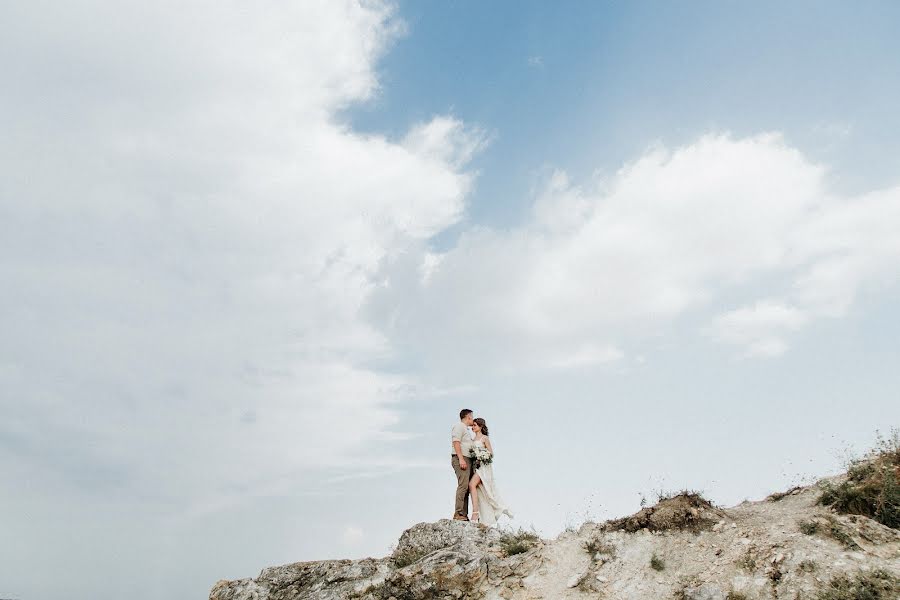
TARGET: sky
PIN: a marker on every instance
(256, 258)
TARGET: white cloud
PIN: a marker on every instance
(674, 233)
(761, 328)
(445, 139)
(189, 232)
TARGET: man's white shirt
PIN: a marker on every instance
(464, 435)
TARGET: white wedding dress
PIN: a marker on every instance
(490, 504)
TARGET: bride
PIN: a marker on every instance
(482, 486)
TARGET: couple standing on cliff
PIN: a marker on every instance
(472, 459)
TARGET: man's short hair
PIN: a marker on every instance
(463, 413)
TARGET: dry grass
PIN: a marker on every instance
(836, 531)
(686, 583)
(830, 527)
(595, 546)
(517, 542)
(775, 497)
(872, 486)
(807, 566)
(747, 562)
(684, 511)
(809, 527)
(872, 585)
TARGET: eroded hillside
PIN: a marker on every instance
(790, 545)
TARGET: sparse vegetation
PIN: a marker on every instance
(807, 566)
(788, 548)
(686, 583)
(747, 562)
(598, 545)
(871, 488)
(575, 521)
(871, 585)
(832, 528)
(517, 542)
(663, 495)
(686, 511)
(837, 532)
(779, 495)
(809, 527)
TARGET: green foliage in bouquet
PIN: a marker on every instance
(482, 455)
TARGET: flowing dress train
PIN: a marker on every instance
(490, 503)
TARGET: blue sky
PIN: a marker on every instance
(589, 86)
(254, 262)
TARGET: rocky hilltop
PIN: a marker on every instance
(800, 544)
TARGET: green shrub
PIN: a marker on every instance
(656, 563)
(871, 488)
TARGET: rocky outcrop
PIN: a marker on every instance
(787, 546)
(446, 559)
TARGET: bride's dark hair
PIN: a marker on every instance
(482, 424)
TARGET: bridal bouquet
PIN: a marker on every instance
(482, 455)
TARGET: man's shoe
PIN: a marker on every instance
(460, 518)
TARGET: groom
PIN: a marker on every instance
(461, 438)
